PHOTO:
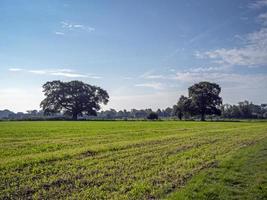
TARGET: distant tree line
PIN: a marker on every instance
(204, 100)
(135, 114)
(77, 100)
(243, 110)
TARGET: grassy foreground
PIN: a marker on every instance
(133, 160)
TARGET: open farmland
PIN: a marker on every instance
(133, 160)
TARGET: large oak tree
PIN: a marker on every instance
(205, 98)
(73, 98)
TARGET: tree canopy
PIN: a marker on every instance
(203, 99)
(183, 107)
(73, 98)
(152, 116)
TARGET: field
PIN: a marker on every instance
(133, 160)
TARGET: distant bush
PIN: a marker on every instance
(152, 116)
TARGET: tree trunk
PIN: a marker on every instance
(180, 115)
(202, 117)
(74, 116)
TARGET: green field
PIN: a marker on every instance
(133, 160)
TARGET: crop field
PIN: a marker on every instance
(133, 160)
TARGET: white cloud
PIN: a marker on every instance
(235, 87)
(78, 26)
(252, 54)
(65, 70)
(59, 33)
(71, 26)
(154, 85)
(94, 76)
(232, 80)
(38, 72)
(171, 75)
(15, 69)
(150, 75)
(207, 69)
(258, 4)
(147, 73)
(69, 73)
(154, 77)
(263, 18)
(172, 70)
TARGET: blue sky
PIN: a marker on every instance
(144, 53)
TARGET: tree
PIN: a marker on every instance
(205, 98)
(152, 116)
(140, 114)
(73, 98)
(159, 113)
(235, 112)
(245, 109)
(177, 112)
(168, 112)
(184, 107)
(32, 112)
(111, 114)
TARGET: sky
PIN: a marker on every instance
(145, 53)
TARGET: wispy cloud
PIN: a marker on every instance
(253, 53)
(38, 72)
(59, 33)
(258, 4)
(71, 26)
(150, 75)
(207, 69)
(224, 78)
(235, 87)
(94, 76)
(172, 70)
(174, 53)
(69, 73)
(223, 75)
(200, 36)
(170, 75)
(263, 18)
(154, 85)
(15, 69)
(154, 77)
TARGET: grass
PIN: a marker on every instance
(241, 176)
(133, 160)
